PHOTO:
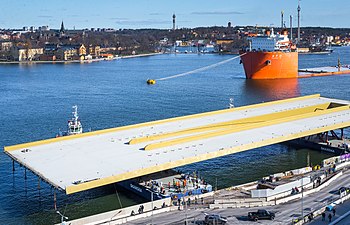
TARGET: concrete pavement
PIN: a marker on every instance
(285, 213)
(340, 210)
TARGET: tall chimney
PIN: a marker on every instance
(299, 21)
(174, 21)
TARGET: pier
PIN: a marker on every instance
(316, 196)
(112, 155)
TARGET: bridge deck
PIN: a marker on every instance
(81, 162)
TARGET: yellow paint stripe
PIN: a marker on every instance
(242, 128)
(199, 158)
(94, 133)
(229, 124)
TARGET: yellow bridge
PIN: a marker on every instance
(89, 160)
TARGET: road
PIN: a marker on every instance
(284, 212)
(340, 210)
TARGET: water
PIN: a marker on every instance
(36, 101)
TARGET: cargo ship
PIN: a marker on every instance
(270, 56)
(166, 184)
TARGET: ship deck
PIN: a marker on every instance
(85, 161)
(168, 184)
(323, 71)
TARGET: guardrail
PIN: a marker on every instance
(124, 215)
(220, 204)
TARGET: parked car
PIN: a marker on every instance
(215, 219)
(261, 214)
(344, 189)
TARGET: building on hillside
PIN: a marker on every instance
(82, 52)
(46, 35)
(66, 53)
(20, 53)
(224, 41)
(94, 51)
(224, 45)
(5, 46)
(70, 52)
(49, 52)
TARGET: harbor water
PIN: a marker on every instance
(36, 100)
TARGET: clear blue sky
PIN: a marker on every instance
(157, 13)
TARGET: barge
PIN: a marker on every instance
(329, 142)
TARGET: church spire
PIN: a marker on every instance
(62, 28)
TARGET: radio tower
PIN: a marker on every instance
(282, 13)
(174, 17)
(298, 21)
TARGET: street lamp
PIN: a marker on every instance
(114, 216)
(62, 217)
(152, 207)
(302, 197)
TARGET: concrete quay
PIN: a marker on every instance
(230, 203)
(286, 213)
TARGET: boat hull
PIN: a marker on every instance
(302, 143)
(141, 191)
(146, 193)
(270, 65)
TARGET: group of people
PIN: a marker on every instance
(329, 215)
(156, 186)
(141, 208)
(295, 190)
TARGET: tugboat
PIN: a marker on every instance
(74, 125)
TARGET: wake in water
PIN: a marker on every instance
(200, 69)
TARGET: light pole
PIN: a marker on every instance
(62, 217)
(114, 216)
(185, 211)
(302, 197)
(152, 207)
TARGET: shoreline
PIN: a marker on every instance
(77, 61)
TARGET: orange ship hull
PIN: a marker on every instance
(270, 65)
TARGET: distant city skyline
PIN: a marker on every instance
(135, 14)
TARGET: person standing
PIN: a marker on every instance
(333, 210)
(323, 216)
(330, 217)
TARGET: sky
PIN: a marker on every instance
(136, 14)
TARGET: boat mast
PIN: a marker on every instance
(75, 114)
(282, 13)
(291, 27)
(298, 21)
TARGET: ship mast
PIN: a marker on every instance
(75, 114)
(282, 13)
(291, 27)
(298, 21)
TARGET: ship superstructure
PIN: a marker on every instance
(74, 125)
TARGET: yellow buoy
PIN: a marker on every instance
(151, 81)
